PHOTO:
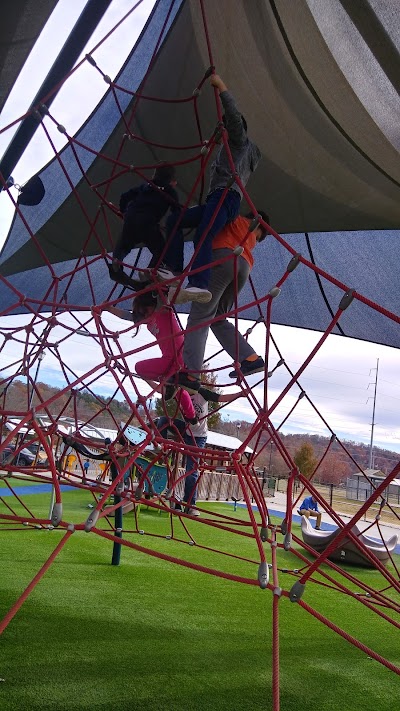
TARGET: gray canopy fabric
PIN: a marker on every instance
(21, 25)
(317, 83)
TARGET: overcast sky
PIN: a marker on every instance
(339, 380)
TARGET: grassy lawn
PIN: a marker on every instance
(152, 635)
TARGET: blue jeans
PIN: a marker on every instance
(192, 461)
(200, 217)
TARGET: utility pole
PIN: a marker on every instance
(371, 446)
(32, 393)
(270, 457)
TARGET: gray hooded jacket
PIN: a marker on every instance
(245, 153)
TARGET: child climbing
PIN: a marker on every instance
(143, 207)
(222, 204)
(195, 435)
(163, 325)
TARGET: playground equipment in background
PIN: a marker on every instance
(347, 550)
(152, 475)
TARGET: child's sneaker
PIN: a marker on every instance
(173, 499)
(115, 273)
(116, 266)
(189, 293)
(249, 367)
(144, 276)
(120, 276)
(209, 395)
(193, 512)
(183, 380)
(180, 380)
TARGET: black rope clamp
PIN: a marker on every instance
(254, 223)
(346, 299)
(37, 115)
(90, 60)
(294, 262)
(217, 135)
(209, 72)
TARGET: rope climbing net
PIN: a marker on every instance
(142, 472)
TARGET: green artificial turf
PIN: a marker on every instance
(152, 635)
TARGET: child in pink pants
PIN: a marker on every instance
(163, 325)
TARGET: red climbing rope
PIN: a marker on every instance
(54, 422)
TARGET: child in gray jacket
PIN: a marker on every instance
(245, 155)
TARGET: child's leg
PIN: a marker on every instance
(155, 368)
(192, 463)
(154, 241)
(127, 238)
(195, 340)
(185, 404)
(226, 213)
(122, 248)
(174, 253)
(231, 340)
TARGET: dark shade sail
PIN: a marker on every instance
(319, 95)
(20, 26)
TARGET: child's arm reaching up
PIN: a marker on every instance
(212, 396)
(234, 396)
(121, 313)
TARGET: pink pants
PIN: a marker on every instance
(158, 368)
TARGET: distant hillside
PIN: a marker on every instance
(337, 465)
(103, 412)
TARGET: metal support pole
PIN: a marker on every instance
(116, 554)
(78, 38)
